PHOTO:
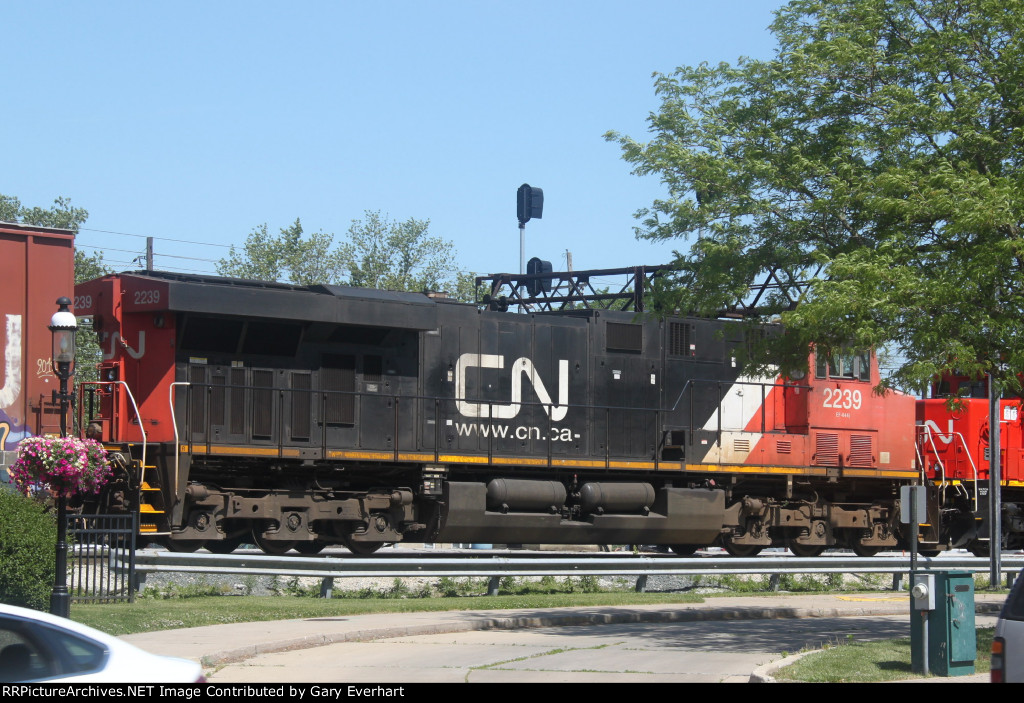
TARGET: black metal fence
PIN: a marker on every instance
(101, 558)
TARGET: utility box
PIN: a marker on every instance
(942, 631)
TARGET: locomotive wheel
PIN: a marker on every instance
(862, 551)
(684, 550)
(224, 546)
(742, 550)
(979, 549)
(362, 549)
(310, 548)
(269, 546)
(806, 550)
(184, 545)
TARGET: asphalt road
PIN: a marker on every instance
(721, 640)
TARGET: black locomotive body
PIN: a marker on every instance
(306, 416)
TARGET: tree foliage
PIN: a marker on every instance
(60, 215)
(877, 155)
(291, 257)
(378, 253)
(381, 253)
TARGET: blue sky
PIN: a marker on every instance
(194, 122)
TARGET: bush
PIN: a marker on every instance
(28, 543)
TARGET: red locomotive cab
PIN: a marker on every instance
(851, 426)
(954, 439)
(129, 402)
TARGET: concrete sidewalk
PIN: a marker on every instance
(216, 645)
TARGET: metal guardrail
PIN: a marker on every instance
(495, 566)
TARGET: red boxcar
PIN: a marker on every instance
(36, 267)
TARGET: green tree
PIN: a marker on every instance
(379, 253)
(290, 257)
(879, 155)
(382, 253)
(89, 266)
(10, 207)
(60, 215)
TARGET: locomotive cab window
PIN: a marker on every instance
(845, 364)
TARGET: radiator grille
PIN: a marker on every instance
(338, 379)
(861, 450)
(826, 448)
(679, 334)
(625, 337)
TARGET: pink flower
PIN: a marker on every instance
(66, 465)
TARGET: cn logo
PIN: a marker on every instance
(114, 339)
(520, 367)
(933, 430)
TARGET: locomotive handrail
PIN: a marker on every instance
(396, 400)
(319, 399)
(138, 416)
(953, 436)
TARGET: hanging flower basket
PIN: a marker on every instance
(66, 465)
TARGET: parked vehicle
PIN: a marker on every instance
(37, 646)
(1008, 642)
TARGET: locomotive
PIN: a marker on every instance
(303, 416)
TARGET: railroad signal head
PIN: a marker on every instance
(535, 266)
(529, 203)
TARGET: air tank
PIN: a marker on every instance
(508, 494)
(616, 497)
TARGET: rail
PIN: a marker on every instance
(497, 566)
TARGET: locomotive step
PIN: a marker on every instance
(149, 509)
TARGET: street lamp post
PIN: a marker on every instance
(63, 327)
